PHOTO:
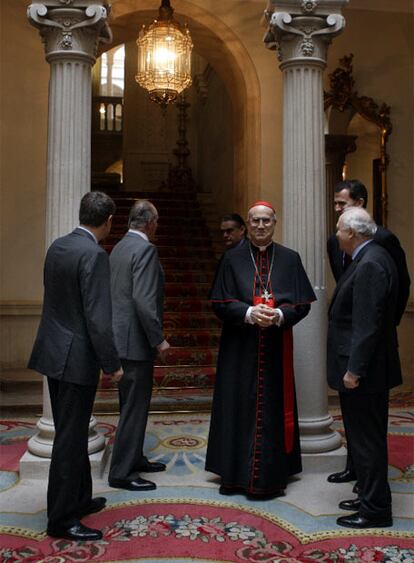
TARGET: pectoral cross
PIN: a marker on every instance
(266, 296)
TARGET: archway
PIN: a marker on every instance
(224, 51)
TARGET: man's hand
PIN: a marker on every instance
(116, 376)
(162, 349)
(263, 315)
(351, 381)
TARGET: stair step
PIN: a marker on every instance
(184, 337)
(200, 290)
(189, 276)
(203, 264)
(173, 320)
(190, 305)
(190, 356)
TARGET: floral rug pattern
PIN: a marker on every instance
(194, 523)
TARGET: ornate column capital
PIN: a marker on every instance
(71, 29)
(301, 30)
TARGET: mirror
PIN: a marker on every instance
(356, 134)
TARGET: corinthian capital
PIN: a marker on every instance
(301, 30)
(71, 29)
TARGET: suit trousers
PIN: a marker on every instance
(135, 389)
(70, 482)
(349, 463)
(365, 418)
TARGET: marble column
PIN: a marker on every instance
(336, 149)
(300, 32)
(71, 31)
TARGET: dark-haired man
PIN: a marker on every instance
(137, 287)
(233, 229)
(73, 344)
(348, 194)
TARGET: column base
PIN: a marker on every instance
(316, 436)
(36, 467)
(328, 462)
(41, 444)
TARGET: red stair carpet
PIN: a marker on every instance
(188, 258)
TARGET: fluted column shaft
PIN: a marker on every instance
(301, 33)
(70, 31)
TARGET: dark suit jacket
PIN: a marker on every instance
(390, 242)
(362, 336)
(75, 338)
(137, 287)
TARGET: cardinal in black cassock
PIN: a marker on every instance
(261, 290)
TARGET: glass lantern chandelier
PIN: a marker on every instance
(164, 57)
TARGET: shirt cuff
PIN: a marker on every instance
(247, 318)
(163, 346)
(281, 319)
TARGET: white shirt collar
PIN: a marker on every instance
(89, 232)
(360, 247)
(140, 233)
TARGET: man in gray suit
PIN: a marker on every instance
(137, 288)
(74, 342)
(363, 363)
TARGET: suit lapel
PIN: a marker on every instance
(348, 272)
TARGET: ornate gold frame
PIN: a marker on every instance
(343, 96)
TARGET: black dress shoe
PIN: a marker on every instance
(356, 489)
(353, 504)
(152, 467)
(77, 532)
(96, 505)
(361, 522)
(228, 491)
(138, 484)
(342, 476)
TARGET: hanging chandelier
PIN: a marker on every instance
(164, 57)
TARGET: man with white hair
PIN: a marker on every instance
(261, 290)
(363, 363)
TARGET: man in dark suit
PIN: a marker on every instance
(352, 193)
(233, 230)
(74, 342)
(363, 363)
(137, 287)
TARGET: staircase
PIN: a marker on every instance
(188, 256)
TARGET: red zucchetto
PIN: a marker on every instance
(264, 204)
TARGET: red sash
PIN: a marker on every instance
(288, 389)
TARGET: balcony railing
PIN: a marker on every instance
(107, 114)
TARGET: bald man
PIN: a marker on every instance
(261, 290)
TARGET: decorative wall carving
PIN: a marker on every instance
(297, 36)
(63, 28)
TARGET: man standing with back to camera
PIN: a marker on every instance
(74, 342)
(349, 194)
(137, 288)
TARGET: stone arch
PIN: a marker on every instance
(219, 45)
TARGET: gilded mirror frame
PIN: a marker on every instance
(343, 96)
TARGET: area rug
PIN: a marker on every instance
(186, 519)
